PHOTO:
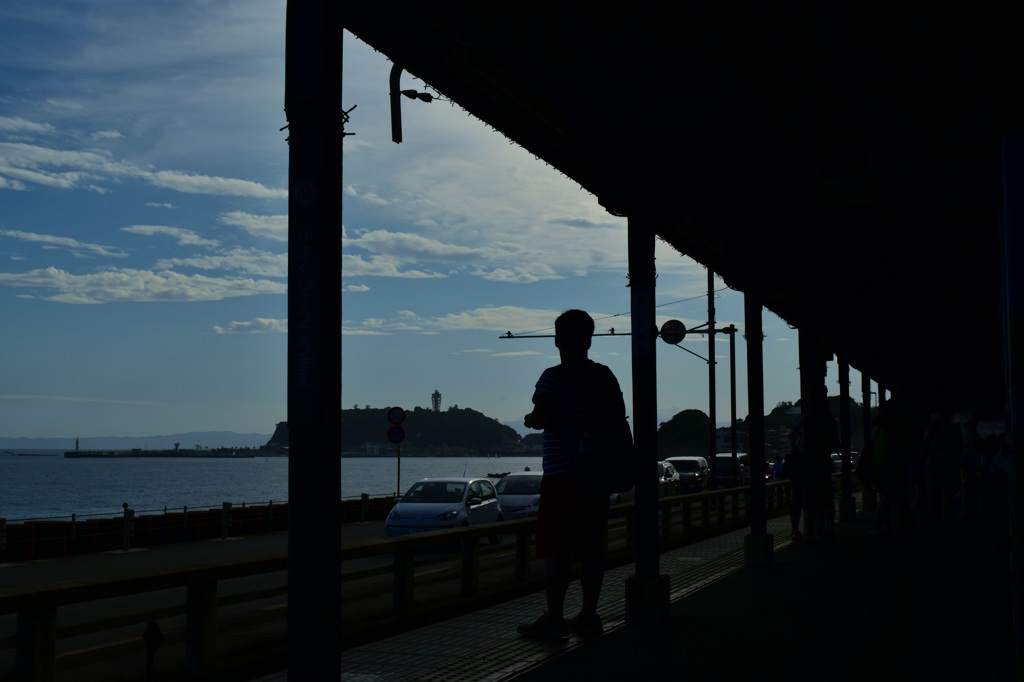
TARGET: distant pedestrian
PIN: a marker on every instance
(573, 514)
(821, 439)
(796, 471)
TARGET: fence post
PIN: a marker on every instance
(129, 527)
(201, 624)
(404, 564)
(364, 506)
(225, 520)
(470, 566)
(37, 644)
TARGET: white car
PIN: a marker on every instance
(519, 494)
(437, 503)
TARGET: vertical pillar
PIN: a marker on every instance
(1013, 340)
(758, 546)
(847, 505)
(870, 500)
(200, 625)
(313, 58)
(647, 591)
(712, 398)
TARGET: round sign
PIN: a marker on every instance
(396, 415)
(673, 332)
(396, 434)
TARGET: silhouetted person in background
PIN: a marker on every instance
(821, 439)
(573, 514)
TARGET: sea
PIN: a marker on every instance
(42, 484)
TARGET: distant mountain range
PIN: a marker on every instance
(204, 439)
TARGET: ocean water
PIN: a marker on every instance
(48, 486)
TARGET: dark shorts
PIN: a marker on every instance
(571, 522)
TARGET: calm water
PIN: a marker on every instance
(53, 487)
(45, 486)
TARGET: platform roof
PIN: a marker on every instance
(843, 163)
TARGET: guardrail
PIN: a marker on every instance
(386, 585)
(35, 644)
(401, 583)
(48, 538)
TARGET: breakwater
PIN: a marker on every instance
(233, 453)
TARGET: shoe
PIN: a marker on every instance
(544, 628)
(585, 626)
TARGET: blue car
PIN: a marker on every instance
(438, 503)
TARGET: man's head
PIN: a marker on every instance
(573, 331)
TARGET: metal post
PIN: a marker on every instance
(712, 398)
(200, 624)
(225, 520)
(870, 502)
(847, 505)
(647, 592)
(313, 78)
(1013, 340)
(128, 528)
(759, 545)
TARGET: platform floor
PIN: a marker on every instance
(935, 607)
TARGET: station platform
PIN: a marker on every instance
(934, 607)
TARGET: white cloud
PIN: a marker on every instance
(248, 261)
(128, 285)
(73, 245)
(21, 125)
(357, 288)
(75, 399)
(380, 266)
(268, 226)
(260, 325)
(181, 235)
(496, 319)
(194, 183)
(70, 169)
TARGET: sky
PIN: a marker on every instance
(143, 239)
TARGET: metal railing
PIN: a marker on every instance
(35, 643)
(386, 585)
(404, 582)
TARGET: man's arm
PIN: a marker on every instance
(542, 415)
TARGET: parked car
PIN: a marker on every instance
(723, 472)
(668, 480)
(519, 494)
(436, 503)
(694, 473)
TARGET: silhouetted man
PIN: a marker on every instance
(571, 400)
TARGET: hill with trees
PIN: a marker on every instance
(454, 431)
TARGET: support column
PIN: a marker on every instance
(647, 591)
(817, 517)
(869, 498)
(313, 58)
(712, 397)
(847, 505)
(758, 547)
(1013, 340)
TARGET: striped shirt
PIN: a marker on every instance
(576, 389)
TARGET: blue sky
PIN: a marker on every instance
(143, 238)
